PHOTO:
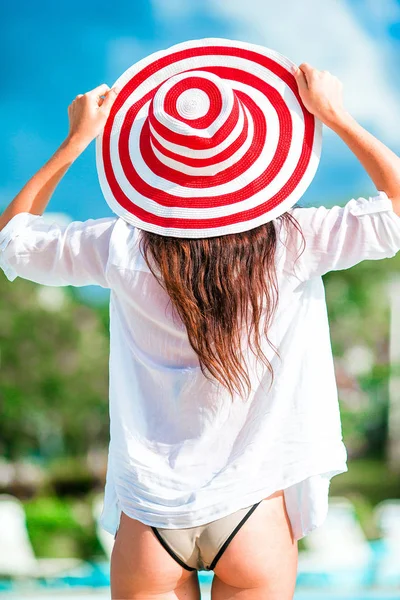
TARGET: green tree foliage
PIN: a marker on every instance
(359, 314)
(53, 374)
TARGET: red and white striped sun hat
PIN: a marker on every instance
(207, 138)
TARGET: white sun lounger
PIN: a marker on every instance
(337, 551)
(17, 558)
(387, 519)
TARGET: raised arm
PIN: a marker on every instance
(364, 228)
(321, 93)
(87, 115)
(48, 253)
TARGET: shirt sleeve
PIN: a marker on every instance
(76, 254)
(340, 237)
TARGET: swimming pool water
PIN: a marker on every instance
(104, 594)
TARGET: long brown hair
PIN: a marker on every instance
(212, 282)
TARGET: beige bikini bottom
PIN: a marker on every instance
(199, 548)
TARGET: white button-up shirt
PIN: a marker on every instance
(181, 453)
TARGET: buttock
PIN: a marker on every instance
(200, 548)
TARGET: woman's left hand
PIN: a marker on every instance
(88, 113)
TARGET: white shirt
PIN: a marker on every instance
(181, 453)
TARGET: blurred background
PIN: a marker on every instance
(54, 421)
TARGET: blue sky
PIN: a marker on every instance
(53, 51)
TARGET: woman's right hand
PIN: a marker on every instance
(321, 93)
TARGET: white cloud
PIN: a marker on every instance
(173, 9)
(60, 218)
(329, 36)
(123, 52)
(384, 12)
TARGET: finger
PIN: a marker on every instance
(308, 71)
(301, 79)
(109, 99)
(306, 68)
(100, 90)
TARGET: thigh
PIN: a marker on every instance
(261, 559)
(142, 568)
